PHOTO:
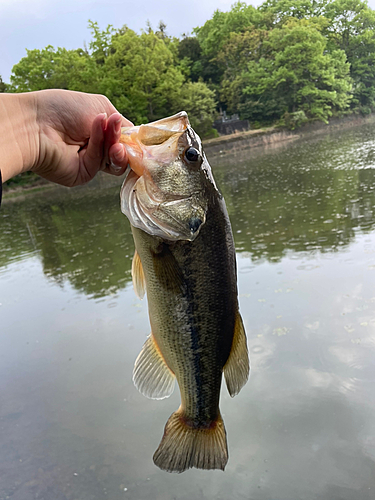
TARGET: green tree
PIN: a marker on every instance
(142, 78)
(55, 68)
(352, 29)
(214, 34)
(281, 10)
(3, 86)
(240, 50)
(296, 73)
(190, 56)
(199, 102)
(101, 42)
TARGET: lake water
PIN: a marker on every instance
(73, 426)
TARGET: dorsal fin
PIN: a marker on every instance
(237, 368)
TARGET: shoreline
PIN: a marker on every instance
(226, 144)
(10, 192)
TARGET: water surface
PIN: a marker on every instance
(72, 425)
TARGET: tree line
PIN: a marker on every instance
(284, 62)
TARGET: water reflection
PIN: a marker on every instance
(310, 196)
(80, 236)
(302, 197)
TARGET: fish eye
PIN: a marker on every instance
(192, 154)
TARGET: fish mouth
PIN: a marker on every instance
(156, 217)
(159, 138)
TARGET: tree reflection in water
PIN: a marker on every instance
(308, 196)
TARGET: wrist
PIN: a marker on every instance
(19, 143)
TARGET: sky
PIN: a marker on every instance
(34, 24)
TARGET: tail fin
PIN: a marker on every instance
(183, 446)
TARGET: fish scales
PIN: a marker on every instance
(185, 259)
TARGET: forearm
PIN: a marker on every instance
(18, 134)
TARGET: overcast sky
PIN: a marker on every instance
(33, 24)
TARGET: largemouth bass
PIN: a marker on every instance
(185, 259)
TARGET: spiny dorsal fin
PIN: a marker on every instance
(151, 375)
(184, 446)
(139, 282)
(237, 368)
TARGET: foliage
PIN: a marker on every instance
(25, 179)
(214, 34)
(297, 74)
(199, 102)
(141, 76)
(294, 120)
(100, 44)
(3, 86)
(352, 29)
(190, 55)
(282, 10)
(283, 62)
(285, 70)
(51, 69)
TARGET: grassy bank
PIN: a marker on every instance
(24, 183)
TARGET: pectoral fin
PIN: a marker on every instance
(237, 368)
(167, 270)
(138, 276)
(151, 375)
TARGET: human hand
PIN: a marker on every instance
(78, 136)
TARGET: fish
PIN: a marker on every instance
(185, 261)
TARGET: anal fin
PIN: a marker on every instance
(138, 276)
(151, 375)
(237, 367)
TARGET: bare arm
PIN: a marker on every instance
(64, 136)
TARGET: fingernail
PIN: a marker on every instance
(104, 121)
(119, 156)
(118, 125)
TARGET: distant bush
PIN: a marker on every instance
(21, 180)
(365, 110)
(294, 120)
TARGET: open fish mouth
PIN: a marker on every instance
(154, 140)
(162, 191)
